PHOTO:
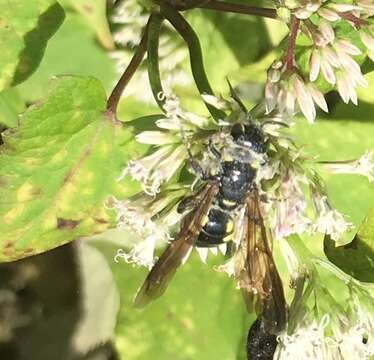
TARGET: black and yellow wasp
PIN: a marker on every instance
(211, 219)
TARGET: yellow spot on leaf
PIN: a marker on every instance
(27, 192)
(12, 214)
(49, 222)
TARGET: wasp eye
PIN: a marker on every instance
(237, 131)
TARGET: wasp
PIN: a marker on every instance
(226, 208)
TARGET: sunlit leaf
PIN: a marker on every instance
(58, 167)
(10, 106)
(201, 315)
(25, 28)
(86, 57)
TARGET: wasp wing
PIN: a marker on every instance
(256, 273)
(163, 271)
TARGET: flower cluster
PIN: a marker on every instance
(172, 144)
(333, 54)
(320, 328)
(139, 216)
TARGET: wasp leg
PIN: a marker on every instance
(214, 150)
(197, 168)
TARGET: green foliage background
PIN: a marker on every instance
(201, 316)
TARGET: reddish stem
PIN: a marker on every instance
(289, 57)
(357, 22)
(130, 70)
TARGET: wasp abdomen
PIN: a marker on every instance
(261, 344)
(235, 179)
(215, 229)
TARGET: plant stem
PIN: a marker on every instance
(152, 58)
(294, 28)
(136, 60)
(354, 19)
(239, 9)
(196, 57)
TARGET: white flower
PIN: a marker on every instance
(312, 340)
(307, 342)
(367, 7)
(149, 233)
(333, 58)
(290, 208)
(173, 143)
(363, 166)
(350, 344)
(332, 55)
(329, 221)
(155, 169)
(287, 92)
(367, 37)
(142, 254)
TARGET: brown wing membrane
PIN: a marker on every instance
(163, 271)
(260, 279)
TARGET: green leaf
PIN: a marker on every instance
(85, 57)
(57, 169)
(208, 322)
(343, 139)
(357, 257)
(10, 106)
(223, 47)
(94, 13)
(25, 28)
(232, 28)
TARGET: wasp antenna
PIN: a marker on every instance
(236, 97)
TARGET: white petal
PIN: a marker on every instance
(318, 98)
(343, 88)
(196, 120)
(313, 6)
(168, 124)
(331, 56)
(328, 72)
(328, 14)
(167, 167)
(343, 7)
(290, 103)
(213, 250)
(347, 47)
(282, 100)
(203, 253)
(367, 40)
(302, 14)
(352, 89)
(271, 94)
(156, 138)
(215, 101)
(327, 30)
(315, 65)
(305, 100)
(223, 248)
(371, 55)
